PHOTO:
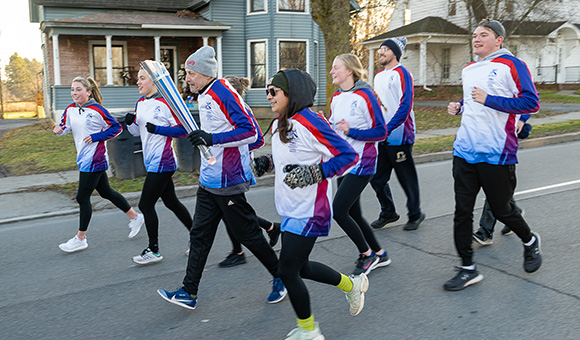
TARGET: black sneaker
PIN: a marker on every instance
(381, 221)
(232, 260)
(506, 230)
(481, 238)
(464, 278)
(412, 225)
(533, 255)
(274, 234)
(364, 264)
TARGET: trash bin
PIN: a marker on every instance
(125, 152)
(188, 158)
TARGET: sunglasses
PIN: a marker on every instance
(272, 91)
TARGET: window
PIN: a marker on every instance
(98, 62)
(407, 13)
(258, 64)
(446, 64)
(292, 54)
(257, 6)
(451, 8)
(299, 6)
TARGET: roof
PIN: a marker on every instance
(151, 5)
(425, 25)
(532, 27)
(135, 18)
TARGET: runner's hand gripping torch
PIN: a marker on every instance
(158, 73)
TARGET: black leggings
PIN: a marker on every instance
(294, 266)
(348, 213)
(236, 245)
(88, 182)
(160, 185)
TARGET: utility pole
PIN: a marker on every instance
(1, 97)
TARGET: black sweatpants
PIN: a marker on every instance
(498, 183)
(88, 182)
(240, 217)
(294, 266)
(399, 158)
(348, 214)
(160, 185)
(236, 245)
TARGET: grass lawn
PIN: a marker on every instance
(549, 96)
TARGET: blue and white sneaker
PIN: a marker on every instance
(180, 297)
(278, 291)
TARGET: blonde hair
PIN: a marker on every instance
(352, 63)
(91, 85)
(239, 83)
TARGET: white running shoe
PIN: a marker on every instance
(135, 225)
(300, 333)
(356, 297)
(147, 257)
(74, 244)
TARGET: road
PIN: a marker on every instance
(100, 294)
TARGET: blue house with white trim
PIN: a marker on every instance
(107, 39)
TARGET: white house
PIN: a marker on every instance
(439, 39)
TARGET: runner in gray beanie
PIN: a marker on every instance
(397, 45)
(203, 61)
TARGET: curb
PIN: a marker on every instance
(268, 180)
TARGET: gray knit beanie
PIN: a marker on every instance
(493, 25)
(397, 45)
(203, 61)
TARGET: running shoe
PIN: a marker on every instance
(356, 297)
(414, 224)
(179, 297)
(135, 225)
(481, 238)
(74, 244)
(232, 260)
(278, 291)
(463, 279)
(300, 333)
(383, 261)
(381, 222)
(364, 264)
(147, 257)
(533, 255)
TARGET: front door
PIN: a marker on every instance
(169, 59)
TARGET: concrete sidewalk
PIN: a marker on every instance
(25, 197)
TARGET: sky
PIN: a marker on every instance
(17, 34)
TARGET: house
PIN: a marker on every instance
(106, 39)
(438, 36)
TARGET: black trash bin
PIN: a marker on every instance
(125, 153)
(187, 156)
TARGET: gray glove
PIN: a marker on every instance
(300, 176)
(261, 165)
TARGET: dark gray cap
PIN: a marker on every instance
(493, 25)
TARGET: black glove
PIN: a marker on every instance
(300, 176)
(130, 118)
(200, 137)
(151, 127)
(261, 165)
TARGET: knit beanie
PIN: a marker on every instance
(279, 80)
(397, 45)
(203, 61)
(495, 26)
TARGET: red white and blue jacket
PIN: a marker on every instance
(158, 152)
(488, 131)
(308, 211)
(94, 120)
(222, 113)
(395, 90)
(360, 108)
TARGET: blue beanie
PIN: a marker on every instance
(397, 45)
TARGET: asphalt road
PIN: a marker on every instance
(100, 294)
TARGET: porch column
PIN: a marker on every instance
(219, 56)
(371, 68)
(109, 59)
(157, 48)
(423, 62)
(205, 41)
(56, 59)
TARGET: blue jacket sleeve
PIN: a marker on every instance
(171, 131)
(112, 131)
(406, 103)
